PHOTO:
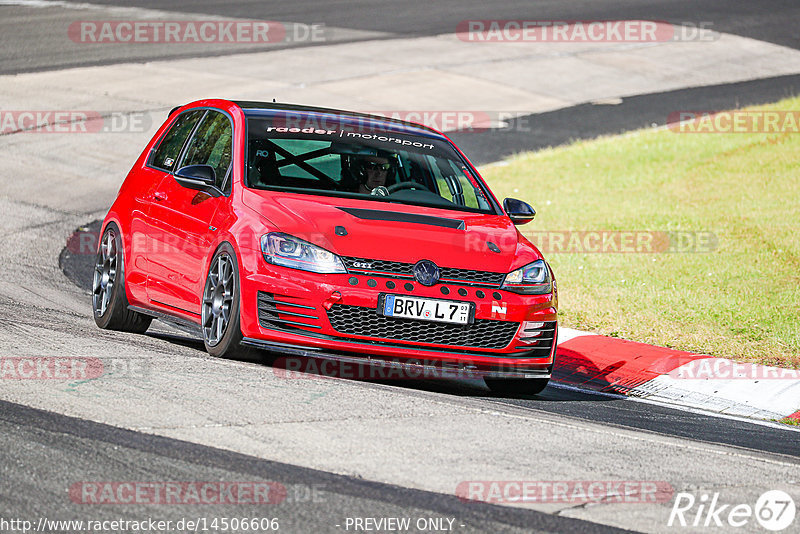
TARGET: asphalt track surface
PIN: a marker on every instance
(590, 120)
(43, 452)
(315, 501)
(769, 20)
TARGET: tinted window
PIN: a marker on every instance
(454, 185)
(211, 145)
(319, 159)
(366, 162)
(170, 148)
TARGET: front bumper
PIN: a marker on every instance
(336, 315)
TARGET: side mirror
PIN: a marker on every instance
(199, 177)
(518, 211)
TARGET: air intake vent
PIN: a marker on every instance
(279, 311)
(538, 338)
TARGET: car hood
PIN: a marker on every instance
(396, 232)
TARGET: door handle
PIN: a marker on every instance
(159, 196)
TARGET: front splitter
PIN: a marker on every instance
(407, 368)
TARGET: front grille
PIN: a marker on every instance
(538, 338)
(474, 277)
(406, 270)
(282, 312)
(360, 321)
(377, 267)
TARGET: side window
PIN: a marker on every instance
(169, 149)
(212, 145)
(454, 185)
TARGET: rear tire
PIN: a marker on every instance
(220, 319)
(516, 386)
(109, 298)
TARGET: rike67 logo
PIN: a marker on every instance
(774, 510)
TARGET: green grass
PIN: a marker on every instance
(741, 301)
(789, 421)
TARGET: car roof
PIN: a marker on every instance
(247, 105)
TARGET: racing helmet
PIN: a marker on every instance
(361, 163)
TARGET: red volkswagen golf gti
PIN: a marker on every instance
(320, 233)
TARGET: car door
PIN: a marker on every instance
(182, 218)
(159, 164)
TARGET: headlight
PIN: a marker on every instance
(288, 251)
(533, 279)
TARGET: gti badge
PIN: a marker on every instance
(426, 272)
(362, 265)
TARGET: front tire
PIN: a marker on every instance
(220, 308)
(516, 386)
(109, 299)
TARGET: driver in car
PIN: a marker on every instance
(372, 174)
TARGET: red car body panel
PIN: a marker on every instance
(170, 234)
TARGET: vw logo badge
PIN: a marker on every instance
(426, 272)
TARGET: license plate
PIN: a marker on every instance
(443, 311)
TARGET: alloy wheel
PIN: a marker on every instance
(218, 299)
(105, 273)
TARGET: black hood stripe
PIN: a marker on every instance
(379, 215)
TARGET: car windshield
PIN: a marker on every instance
(368, 161)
